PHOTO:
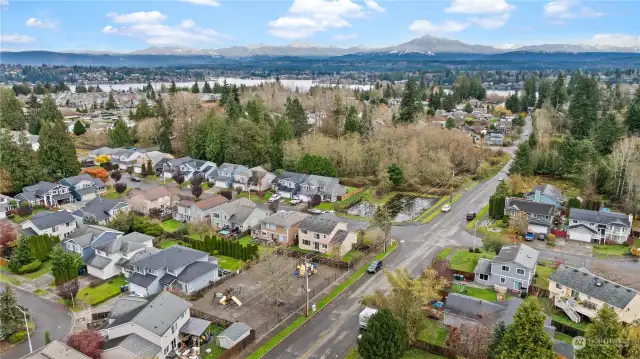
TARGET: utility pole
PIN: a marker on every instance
(453, 175)
(306, 277)
(26, 326)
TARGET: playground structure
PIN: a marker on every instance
(434, 310)
(229, 296)
(305, 268)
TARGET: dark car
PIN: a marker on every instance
(542, 237)
(135, 179)
(471, 216)
(374, 267)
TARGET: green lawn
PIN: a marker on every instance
(216, 351)
(170, 225)
(112, 194)
(325, 206)
(434, 332)
(480, 293)
(254, 197)
(465, 261)
(563, 337)
(444, 254)
(103, 292)
(543, 271)
(40, 292)
(564, 319)
(44, 268)
(479, 216)
(78, 306)
(16, 218)
(10, 280)
(413, 353)
(614, 250)
(170, 243)
(229, 263)
(349, 255)
(437, 210)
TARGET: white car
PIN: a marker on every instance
(446, 208)
(331, 212)
(501, 178)
(295, 201)
(274, 198)
(315, 211)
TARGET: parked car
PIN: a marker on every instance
(332, 212)
(542, 237)
(501, 178)
(471, 216)
(295, 201)
(374, 267)
(276, 197)
(446, 208)
(529, 236)
(135, 179)
(315, 211)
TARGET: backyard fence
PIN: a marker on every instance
(434, 349)
(221, 322)
(349, 194)
(567, 329)
(239, 347)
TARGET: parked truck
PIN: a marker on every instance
(364, 316)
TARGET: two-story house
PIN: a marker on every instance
(190, 168)
(281, 228)
(126, 158)
(494, 139)
(102, 209)
(84, 187)
(45, 194)
(197, 212)
(144, 201)
(241, 178)
(322, 233)
(6, 204)
(108, 252)
(546, 193)
(287, 184)
(260, 180)
(178, 267)
(148, 327)
(328, 188)
(56, 349)
(581, 294)
(540, 214)
(514, 268)
(80, 241)
(60, 224)
(240, 214)
(599, 226)
(225, 176)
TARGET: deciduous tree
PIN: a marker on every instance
(99, 173)
(120, 187)
(88, 342)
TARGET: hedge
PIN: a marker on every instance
(30, 268)
(40, 246)
(226, 248)
(17, 337)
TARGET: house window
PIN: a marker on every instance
(558, 286)
(151, 271)
(166, 350)
(306, 242)
(55, 191)
(591, 224)
(304, 231)
(325, 236)
(503, 280)
(316, 236)
(505, 268)
(78, 248)
(574, 221)
(174, 327)
(484, 277)
(68, 224)
(216, 215)
(520, 271)
(324, 246)
(70, 246)
(56, 228)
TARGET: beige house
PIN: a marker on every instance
(144, 201)
(321, 233)
(581, 294)
(281, 227)
(197, 212)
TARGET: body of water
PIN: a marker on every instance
(403, 208)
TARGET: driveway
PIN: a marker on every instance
(47, 315)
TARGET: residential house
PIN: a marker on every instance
(260, 180)
(190, 168)
(6, 204)
(241, 177)
(157, 156)
(177, 268)
(145, 201)
(494, 139)
(33, 140)
(328, 188)
(80, 241)
(281, 228)
(546, 193)
(84, 187)
(240, 214)
(126, 158)
(60, 224)
(324, 232)
(514, 268)
(287, 184)
(109, 251)
(148, 327)
(580, 293)
(45, 194)
(102, 209)
(226, 172)
(197, 212)
(233, 335)
(540, 215)
(56, 350)
(599, 226)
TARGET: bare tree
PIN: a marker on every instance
(279, 290)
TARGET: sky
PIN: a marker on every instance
(126, 25)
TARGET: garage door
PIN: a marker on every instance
(535, 228)
(579, 236)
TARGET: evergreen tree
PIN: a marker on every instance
(57, 152)
(78, 128)
(522, 163)
(558, 93)
(513, 103)
(468, 108)
(396, 175)
(352, 124)
(385, 337)
(448, 103)
(173, 89)
(583, 109)
(450, 123)
(111, 103)
(142, 110)
(11, 115)
(150, 170)
(529, 97)
(544, 91)
(296, 115)
(525, 338)
(435, 100)
(81, 88)
(21, 255)
(633, 116)
(19, 161)
(410, 105)
(165, 129)
(283, 131)
(367, 121)
(256, 111)
(496, 338)
(606, 134)
(206, 88)
(316, 165)
(120, 135)
(195, 88)
(602, 337)
(11, 319)
(49, 111)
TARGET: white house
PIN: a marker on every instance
(599, 226)
(6, 204)
(111, 252)
(189, 167)
(60, 224)
(197, 212)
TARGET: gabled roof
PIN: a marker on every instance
(196, 270)
(146, 252)
(99, 262)
(174, 257)
(583, 226)
(178, 161)
(286, 218)
(84, 177)
(57, 350)
(238, 210)
(483, 266)
(320, 224)
(527, 206)
(294, 177)
(587, 283)
(520, 254)
(142, 280)
(132, 343)
(600, 217)
(547, 190)
(161, 312)
(126, 304)
(339, 236)
(211, 202)
(87, 234)
(99, 207)
(154, 193)
(40, 187)
(44, 220)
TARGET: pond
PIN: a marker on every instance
(402, 207)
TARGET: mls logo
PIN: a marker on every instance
(579, 343)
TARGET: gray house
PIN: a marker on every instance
(102, 209)
(514, 268)
(226, 173)
(84, 187)
(81, 240)
(177, 268)
(540, 214)
(240, 213)
(546, 193)
(233, 335)
(45, 194)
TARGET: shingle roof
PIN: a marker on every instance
(84, 177)
(520, 254)
(211, 202)
(155, 193)
(547, 190)
(286, 218)
(528, 206)
(235, 331)
(46, 220)
(196, 270)
(99, 262)
(142, 280)
(57, 350)
(167, 279)
(99, 207)
(173, 257)
(469, 306)
(483, 266)
(126, 304)
(40, 187)
(161, 312)
(135, 344)
(128, 264)
(87, 234)
(320, 224)
(339, 236)
(584, 282)
(599, 217)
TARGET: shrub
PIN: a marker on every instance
(183, 230)
(30, 268)
(477, 250)
(470, 250)
(17, 337)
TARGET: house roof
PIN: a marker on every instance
(99, 262)
(167, 279)
(528, 206)
(84, 177)
(196, 270)
(584, 282)
(126, 304)
(40, 187)
(238, 210)
(136, 237)
(583, 226)
(87, 234)
(134, 344)
(600, 217)
(173, 257)
(178, 161)
(146, 252)
(286, 218)
(520, 254)
(320, 224)
(127, 243)
(483, 266)
(57, 350)
(547, 190)
(157, 156)
(142, 280)
(44, 220)
(339, 237)
(235, 331)
(195, 326)
(211, 202)
(154, 193)
(470, 307)
(161, 312)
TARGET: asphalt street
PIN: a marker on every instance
(47, 315)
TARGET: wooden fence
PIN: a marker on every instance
(239, 347)
(350, 194)
(434, 349)
(221, 322)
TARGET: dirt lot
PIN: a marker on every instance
(259, 287)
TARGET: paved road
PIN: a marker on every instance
(47, 315)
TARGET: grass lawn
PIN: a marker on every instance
(112, 194)
(229, 263)
(262, 250)
(40, 292)
(349, 255)
(10, 280)
(170, 225)
(543, 273)
(480, 293)
(434, 332)
(465, 261)
(44, 268)
(413, 353)
(298, 249)
(103, 292)
(16, 218)
(613, 250)
(169, 243)
(437, 210)
(444, 254)
(479, 216)
(325, 206)
(216, 351)
(245, 240)
(564, 319)
(563, 337)
(78, 307)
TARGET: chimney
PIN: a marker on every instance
(537, 197)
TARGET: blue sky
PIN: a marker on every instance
(129, 25)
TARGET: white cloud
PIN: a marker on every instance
(621, 40)
(491, 22)
(569, 9)
(4, 3)
(151, 30)
(16, 38)
(345, 37)
(479, 7)
(141, 17)
(374, 6)
(43, 24)
(423, 27)
(212, 3)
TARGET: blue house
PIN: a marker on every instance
(84, 187)
(546, 193)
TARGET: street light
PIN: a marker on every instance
(26, 325)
